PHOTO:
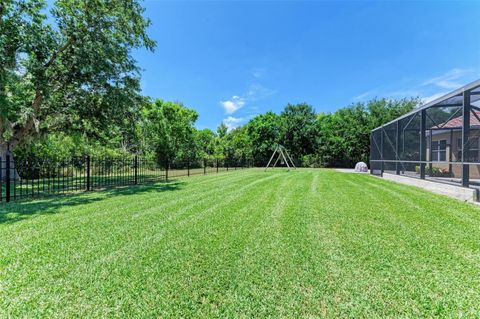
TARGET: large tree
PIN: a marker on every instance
(169, 130)
(68, 66)
(299, 129)
(344, 136)
(264, 133)
(238, 146)
(205, 143)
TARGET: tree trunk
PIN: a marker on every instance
(4, 151)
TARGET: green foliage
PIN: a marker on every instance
(205, 143)
(299, 129)
(69, 68)
(435, 171)
(61, 146)
(264, 133)
(382, 111)
(222, 130)
(238, 145)
(344, 136)
(166, 131)
(169, 130)
(311, 160)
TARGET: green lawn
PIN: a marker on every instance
(305, 243)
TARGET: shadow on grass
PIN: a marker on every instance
(17, 211)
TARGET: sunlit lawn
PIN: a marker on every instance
(305, 243)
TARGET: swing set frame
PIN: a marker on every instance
(282, 153)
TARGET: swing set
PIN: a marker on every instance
(283, 156)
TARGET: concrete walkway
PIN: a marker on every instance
(447, 189)
(454, 191)
(350, 170)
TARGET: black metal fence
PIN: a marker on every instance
(24, 179)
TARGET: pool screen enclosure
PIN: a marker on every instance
(439, 140)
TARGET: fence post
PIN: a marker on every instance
(397, 148)
(204, 167)
(466, 109)
(423, 145)
(217, 165)
(7, 179)
(382, 168)
(188, 167)
(88, 173)
(166, 170)
(136, 169)
(1, 180)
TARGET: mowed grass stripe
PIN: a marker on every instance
(236, 252)
(135, 264)
(129, 207)
(263, 265)
(308, 255)
(143, 193)
(208, 253)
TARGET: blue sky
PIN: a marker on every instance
(233, 60)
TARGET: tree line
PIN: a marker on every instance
(165, 131)
(69, 86)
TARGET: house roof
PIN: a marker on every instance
(457, 122)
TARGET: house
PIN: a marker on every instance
(445, 145)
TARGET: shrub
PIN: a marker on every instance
(436, 171)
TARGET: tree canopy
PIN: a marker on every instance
(264, 133)
(299, 129)
(169, 130)
(68, 67)
(344, 136)
(166, 131)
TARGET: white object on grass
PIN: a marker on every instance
(361, 167)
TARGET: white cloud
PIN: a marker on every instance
(428, 90)
(364, 95)
(232, 122)
(255, 92)
(450, 79)
(233, 105)
(432, 97)
(259, 73)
